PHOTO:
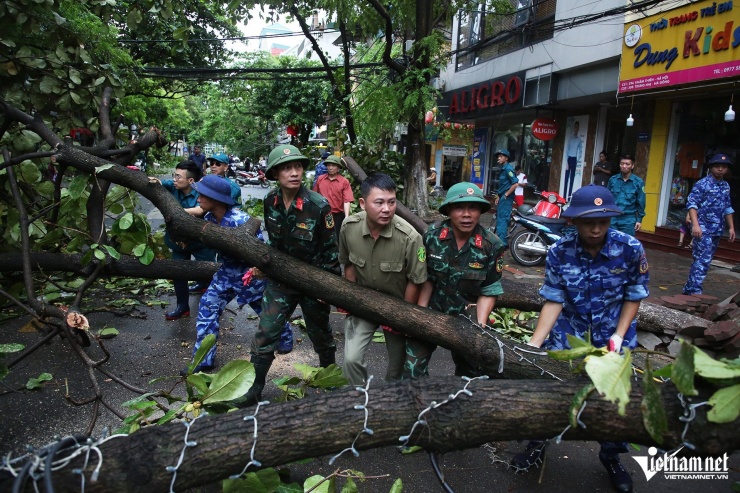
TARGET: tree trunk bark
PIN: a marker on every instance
(328, 423)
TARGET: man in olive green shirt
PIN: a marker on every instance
(380, 251)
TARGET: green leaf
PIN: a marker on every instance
(328, 377)
(379, 337)
(397, 486)
(307, 371)
(327, 486)
(112, 252)
(139, 249)
(136, 400)
(573, 353)
(74, 76)
(11, 348)
(198, 381)
(262, 481)
(108, 333)
(148, 256)
(29, 172)
(103, 167)
(285, 381)
(682, 370)
(577, 402)
(125, 222)
(232, 381)
(169, 416)
(725, 405)
(208, 342)
(611, 374)
(350, 486)
(708, 367)
(77, 186)
(35, 383)
(99, 254)
(653, 413)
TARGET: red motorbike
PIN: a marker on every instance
(252, 178)
(535, 229)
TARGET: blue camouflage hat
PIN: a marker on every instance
(720, 159)
(216, 188)
(592, 201)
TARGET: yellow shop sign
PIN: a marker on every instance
(697, 42)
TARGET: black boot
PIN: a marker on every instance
(262, 365)
(327, 357)
(618, 475)
(182, 297)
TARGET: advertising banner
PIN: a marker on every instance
(480, 142)
(693, 43)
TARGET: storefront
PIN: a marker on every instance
(686, 63)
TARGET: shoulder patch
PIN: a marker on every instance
(500, 263)
(421, 254)
(329, 221)
(444, 234)
(643, 264)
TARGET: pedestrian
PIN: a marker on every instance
(573, 153)
(320, 168)
(216, 201)
(382, 251)
(218, 165)
(464, 264)
(709, 207)
(629, 192)
(199, 159)
(337, 191)
(186, 174)
(298, 222)
(594, 282)
(519, 190)
(432, 178)
(603, 170)
(507, 183)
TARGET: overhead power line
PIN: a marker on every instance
(218, 40)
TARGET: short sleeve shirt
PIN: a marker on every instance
(506, 179)
(593, 290)
(460, 276)
(385, 264)
(337, 191)
(629, 194)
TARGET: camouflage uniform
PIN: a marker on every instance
(225, 286)
(505, 205)
(711, 199)
(459, 277)
(630, 197)
(593, 290)
(306, 232)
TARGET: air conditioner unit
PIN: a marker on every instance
(438, 83)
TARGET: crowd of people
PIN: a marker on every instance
(595, 278)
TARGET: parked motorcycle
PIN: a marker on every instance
(536, 231)
(252, 178)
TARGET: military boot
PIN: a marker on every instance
(262, 365)
(327, 358)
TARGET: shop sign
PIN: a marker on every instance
(460, 151)
(544, 128)
(490, 97)
(693, 43)
(643, 137)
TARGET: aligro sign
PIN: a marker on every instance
(544, 128)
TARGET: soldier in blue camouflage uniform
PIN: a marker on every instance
(227, 284)
(594, 283)
(464, 264)
(629, 193)
(298, 222)
(507, 183)
(709, 206)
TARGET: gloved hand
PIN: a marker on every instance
(247, 277)
(615, 343)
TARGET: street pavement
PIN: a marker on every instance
(149, 347)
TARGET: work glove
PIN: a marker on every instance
(615, 343)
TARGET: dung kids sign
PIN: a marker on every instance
(697, 42)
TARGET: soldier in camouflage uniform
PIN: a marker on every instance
(464, 263)
(298, 222)
(709, 206)
(594, 283)
(226, 284)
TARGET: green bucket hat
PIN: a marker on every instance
(464, 192)
(283, 154)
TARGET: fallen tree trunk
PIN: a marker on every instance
(328, 424)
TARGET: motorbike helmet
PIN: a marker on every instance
(220, 157)
(464, 192)
(524, 209)
(283, 154)
(592, 201)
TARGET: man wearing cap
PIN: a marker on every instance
(337, 191)
(594, 283)
(199, 159)
(321, 168)
(381, 251)
(181, 186)
(629, 193)
(216, 201)
(218, 165)
(298, 222)
(464, 264)
(507, 183)
(709, 207)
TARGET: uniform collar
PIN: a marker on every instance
(386, 232)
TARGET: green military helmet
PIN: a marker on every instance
(281, 155)
(464, 192)
(333, 160)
